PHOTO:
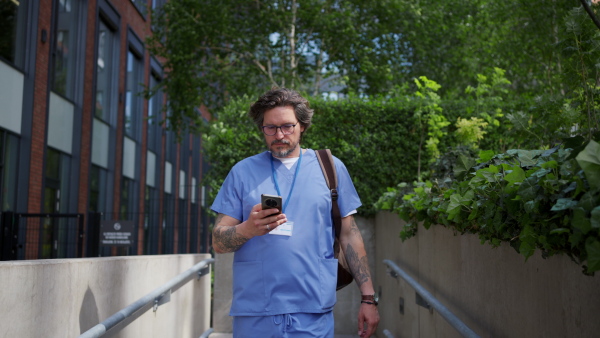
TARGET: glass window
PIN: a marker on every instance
(8, 169)
(151, 221)
(183, 227)
(154, 114)
(94, 189)
(171, 152)
(194, 227)
(157, 3)
(141, 5)
(167, 225)
(12, 31)
(127, 199)
(106, 74)
(63, 70)
(182, 184)
(98, 182)
(127, 212)
(57, 231)
(156, 8)
(182, 203)
(133, 100)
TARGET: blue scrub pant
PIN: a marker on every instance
(292, 325)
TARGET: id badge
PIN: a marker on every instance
(283, 230)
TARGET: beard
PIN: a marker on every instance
(283, 152)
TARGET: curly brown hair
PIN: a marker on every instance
(281, 97)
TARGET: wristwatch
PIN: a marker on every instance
(370, 299)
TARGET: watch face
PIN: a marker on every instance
(374, 298)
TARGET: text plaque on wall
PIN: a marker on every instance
(116, 233)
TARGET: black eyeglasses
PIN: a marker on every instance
(286, 129)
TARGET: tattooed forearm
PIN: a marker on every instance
(225, 238)
(359, 266)
(355, 254)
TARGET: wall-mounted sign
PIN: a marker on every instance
(116, 233)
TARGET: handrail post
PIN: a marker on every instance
(162, 299)
(204, 271)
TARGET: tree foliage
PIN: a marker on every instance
(449, 41)
(546, 199)
(214, 50)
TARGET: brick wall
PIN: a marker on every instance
(39, 125)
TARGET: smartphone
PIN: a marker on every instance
(271, 202)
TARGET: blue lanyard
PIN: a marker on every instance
(287, 200)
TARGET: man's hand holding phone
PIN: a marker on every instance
(264, 217)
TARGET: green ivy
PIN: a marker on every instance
(533, 199)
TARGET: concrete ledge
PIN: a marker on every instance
(65, 297)
(494, 291)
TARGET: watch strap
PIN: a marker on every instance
(368, 297)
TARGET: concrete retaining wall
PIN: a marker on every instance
(65, 297)
(493, 291)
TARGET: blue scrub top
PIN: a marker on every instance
(275, 274)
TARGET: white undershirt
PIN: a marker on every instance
(288, 162)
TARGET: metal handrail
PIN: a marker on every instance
(207, 333)
(432, 301)
(159, 296)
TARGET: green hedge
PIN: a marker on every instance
(377, 139)
(374, 138)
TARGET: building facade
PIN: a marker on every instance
(81, 149)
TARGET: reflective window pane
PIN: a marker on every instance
(141, 5)
(154, 115)
(133, 99)
(13, 23)
(8, 170)
(63, 70)
(106, 89)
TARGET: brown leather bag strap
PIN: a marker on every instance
(326, 161)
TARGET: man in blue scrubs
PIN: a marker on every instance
(284, 272)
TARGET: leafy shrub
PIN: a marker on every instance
(380, 140)
(547, 200)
